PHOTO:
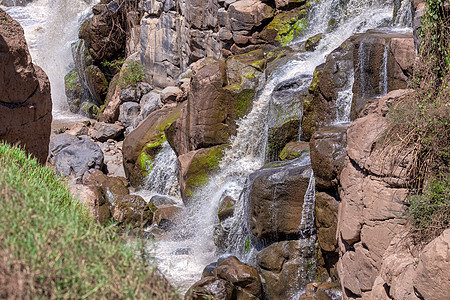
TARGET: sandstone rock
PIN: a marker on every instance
(58, 143)
(78, 158)
(432, 277)
(285, 268)
(240, 275)
(328, 155)
(25, 107)
(112, 102)
(276, 195)
(103, 131)
(293, 150)
(132, 210)
(210, 287)
(171, 94)
(373, 191)
(92, 197)
(248, 14)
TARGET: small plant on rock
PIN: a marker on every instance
(132, 74)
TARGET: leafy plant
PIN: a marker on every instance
(247, 245)
(132, 74)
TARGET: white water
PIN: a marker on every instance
(50, 27)
(246, 153)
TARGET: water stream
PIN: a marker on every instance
(50, 27)
(246, 153)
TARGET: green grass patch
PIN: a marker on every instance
(61, 251)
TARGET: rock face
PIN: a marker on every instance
(368, 65)
(25, 101)
(276, 200)
(373, 191)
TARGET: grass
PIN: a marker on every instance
(50, 247)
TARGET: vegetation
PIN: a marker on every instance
(421, 123)
(51, 248)
(132, 74)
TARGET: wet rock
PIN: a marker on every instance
(276, 196)
(92, 197)
(129, 111)
(226, 208)
(159, 200)
(328, 155)
(285, 268)
(73, 90)
(313, 42)
(285, 27)
(58, 143)
(322, 291)
(196, 168)
(112, 187)
(78, 158)
(25, 107)
(103, 131)
(208, 271)
(326, 221)
(210, 287)
(166, 213)
(294, 150)
(142, 144)
(131, 210)
(240, 275)
(280, 136)
(97, 83)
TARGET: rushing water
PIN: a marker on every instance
(50, 27)
(246, 153)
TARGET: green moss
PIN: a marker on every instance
(72, 81)
(244, 102)
(286, 26)
(146, 163)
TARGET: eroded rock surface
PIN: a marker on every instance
(25, 101)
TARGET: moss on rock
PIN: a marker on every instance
(285, 27)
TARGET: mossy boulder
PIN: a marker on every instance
(141, 146)
(226, 208)
(132, 210)
(285, 27)
(74, 90)
(312, 42)
(294, 150)
(196, 168)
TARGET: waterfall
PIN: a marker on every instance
(50, 27)
(163, 176)
(383, 86)
(246, 153)
(404, 14)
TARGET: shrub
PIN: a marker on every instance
(132, 74)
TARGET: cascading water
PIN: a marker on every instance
(50, 27)
(246, 153)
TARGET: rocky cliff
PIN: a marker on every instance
(25, 100)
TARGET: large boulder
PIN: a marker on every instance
(276, 197)
(141, 146)
(286, 267)
(25, 104)
(93, 198)
(78, 158)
